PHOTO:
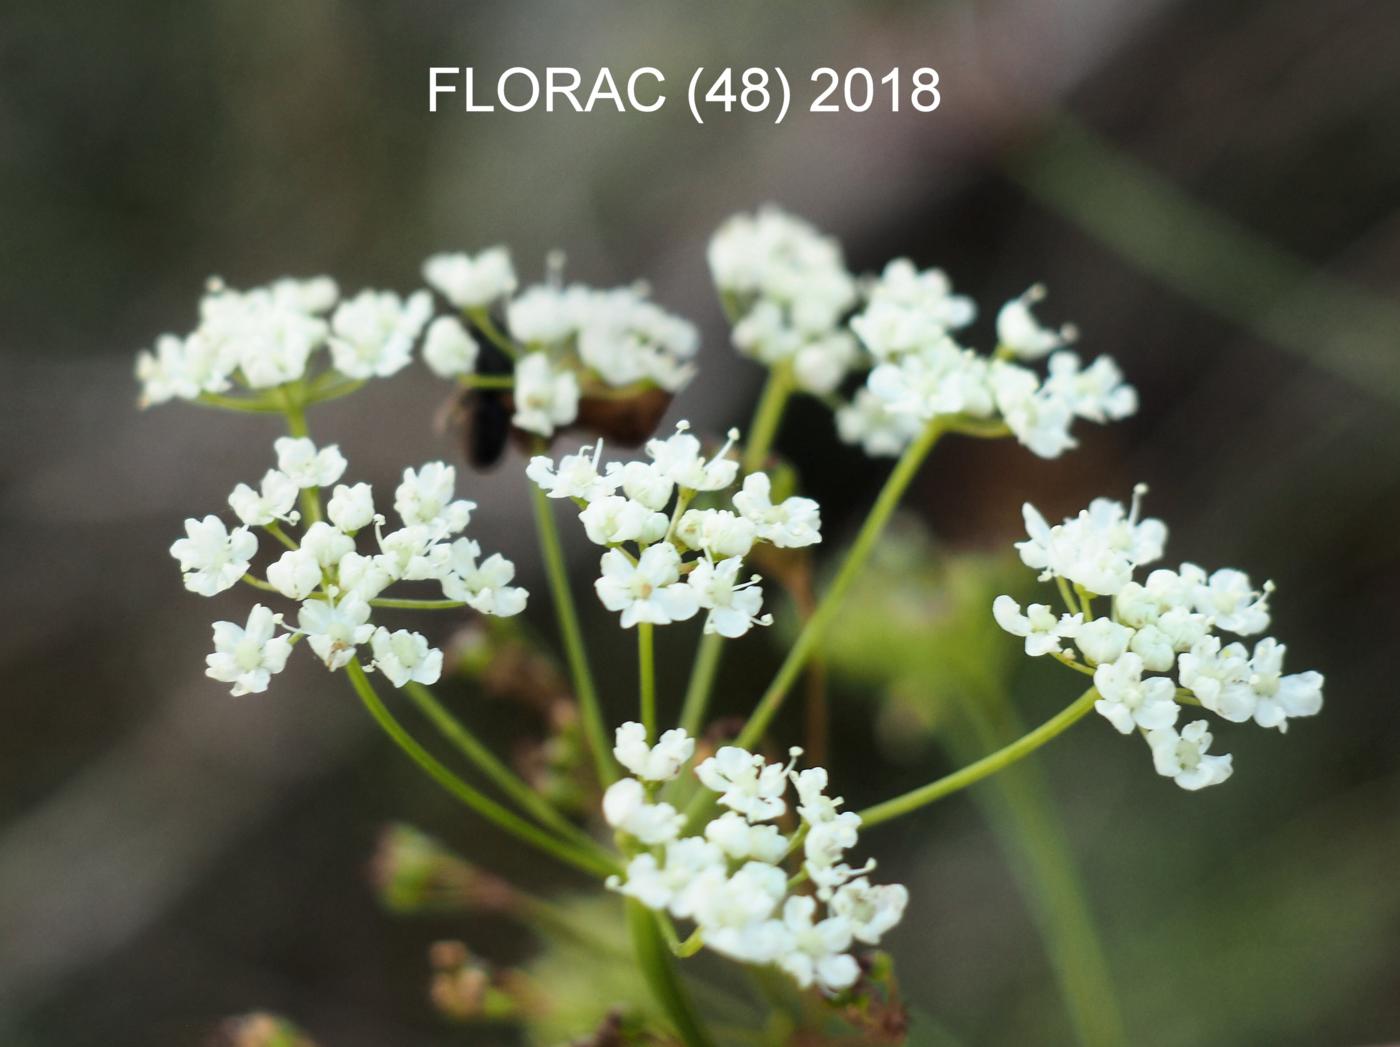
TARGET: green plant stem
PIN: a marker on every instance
(767, 416)
(1019, 808)
(763, 430)
(487, 762)
(472, 798)
(812, 633)
(658, 968)
(589, 708)
(702, 680)
(294, 407)
(646, 676)
(398, 604)
(988, 765)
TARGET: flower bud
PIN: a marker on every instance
(415, 873)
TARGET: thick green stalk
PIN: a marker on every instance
(589, 708)
(490, 765)
(1022, 815)
(702, 681)
(812, 633)
(477, 801)
(399, 604)
(646, 675)
(658, 968)
(988, 765)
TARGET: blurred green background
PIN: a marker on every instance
(1210, 192)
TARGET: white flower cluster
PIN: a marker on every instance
(335, 584)
(788, 290)
(1169, 622)
(570, 340)
(271, 335)
(792, 298)
(729, 879)
(627, 505)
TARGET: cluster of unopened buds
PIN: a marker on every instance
(718, 848)
(728, 878)
(1169, 622)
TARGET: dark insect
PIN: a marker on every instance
(486, 412)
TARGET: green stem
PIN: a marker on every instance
(553, 553)
(481, 318)
(646, 674)
(488, 381)
(478, 802)
(246, 405)
(763, 429)
(258, 583)
(767, 416)
(399, 604)
(658, 968)
(1022, 815)
(988, 765)
(812, 633)
(294, 407)
(486, 761)
(702, 679)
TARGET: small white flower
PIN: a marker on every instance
(1155, 648)
(1128, 701)
(816, 953)
(545, 398)
(299, 458)
(659, 886)
(941, 379)
(869, 422)
(791, 524)
(626, 808)
(405, 656)
(1103, 640)
(327, 544)
(449, 349)
(424, 498)
(740, 839)
(929, 291)
(614, 519)
(644, 483)
(471, 282)
(334, 630)
(576, 476)
(413, 554)
(248, 656)
(296, 574)
(1098, 549)
(1042, 630)
(1097, 392)
(746, 783)
(828, 840)
(372, 334)
(718, 532)
(485, 587)
(213, 558)
(1232, 603)
(870, 910)
(1211, 672)
(1275, 698)
(351, 508)
(649, 590)
(1038, 417)
(653, 763)
(364, 576)
(678, 458)
(1183, 756)
(814, 806)
(731, 911)
(274, 499)
(1020, 333)
(734, 606)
